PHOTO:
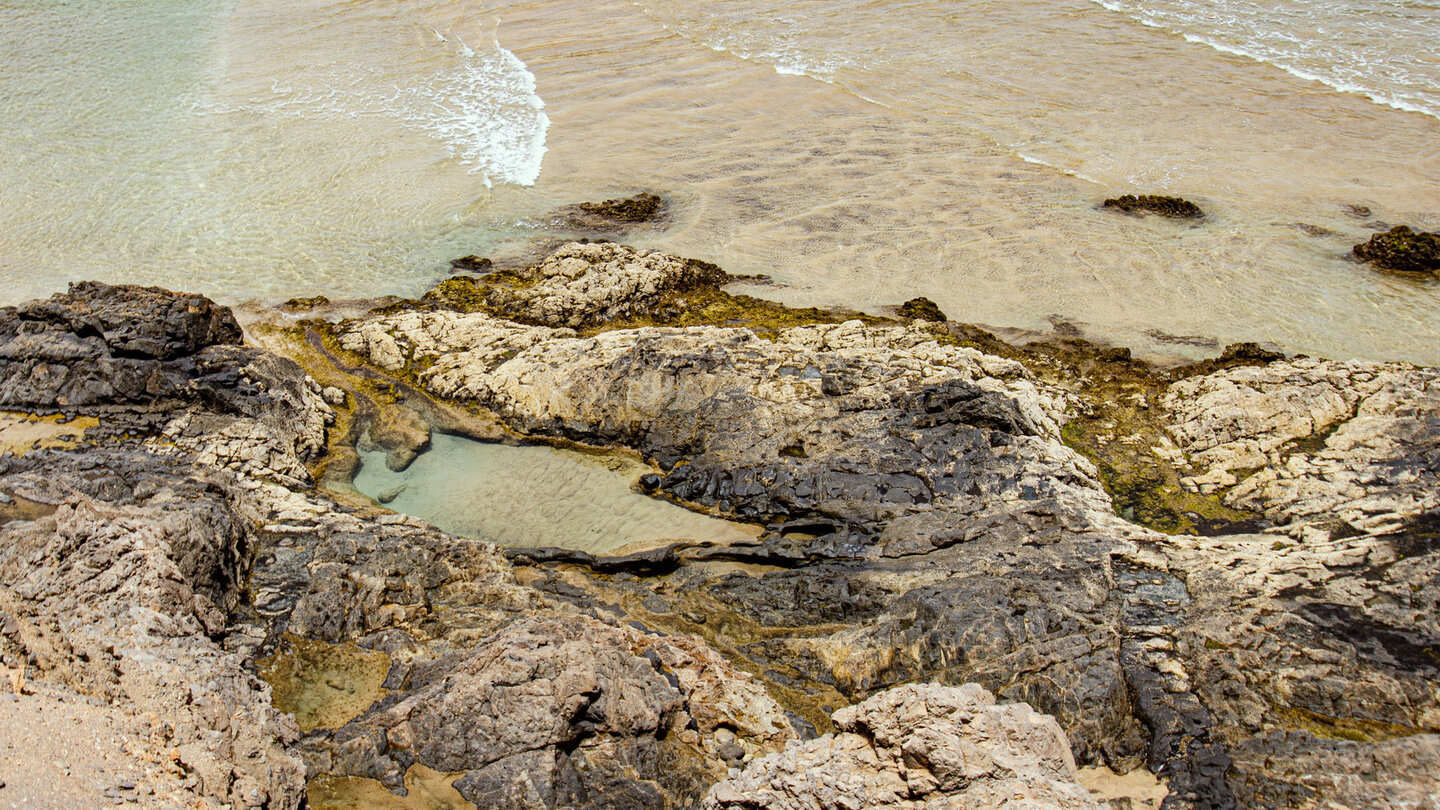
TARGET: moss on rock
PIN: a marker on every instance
(922, 309)
(1401, 248)
(643, 207)
(1173, 207)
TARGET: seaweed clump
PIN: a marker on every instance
(1402, 249)
(1173, 207)
(304, 304)
(643, 207)
(922, 309)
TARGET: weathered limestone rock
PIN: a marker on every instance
(931, 525)
(116, 594)
(586, 284)
(1322, 445)
(913, 746)
(565, 712)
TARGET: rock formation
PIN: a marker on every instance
(928, 522)
(912, 746)
(1401, 248)
(1172, 207)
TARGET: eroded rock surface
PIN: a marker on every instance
(585, 284)
(928, 522)
(566, 712)
(119, 563)
(1322, 446)
(917, 746)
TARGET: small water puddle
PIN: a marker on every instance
(537, 496)
(324, 685)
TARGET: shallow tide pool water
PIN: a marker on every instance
(537, 496)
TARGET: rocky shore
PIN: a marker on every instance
(1224, 575)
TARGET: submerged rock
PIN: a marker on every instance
(930, 745)
(1173, 207)
(1402, 249)
(643, 207)
(477, 264)
(402, 433)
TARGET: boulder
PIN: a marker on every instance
(1402, 249)
(918, 745)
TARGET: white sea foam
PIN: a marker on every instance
(1389, 55)
(1038, 162)
(486, 111)
(482, 105)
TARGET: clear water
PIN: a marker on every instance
(537, 496)
(860, 152)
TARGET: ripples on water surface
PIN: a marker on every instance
(860, 152)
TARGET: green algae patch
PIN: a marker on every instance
(1119, 427)
(1352, 729)
(324, 685)
(1172, 207)
(1403, 249)
(425, 789)
(712, 306)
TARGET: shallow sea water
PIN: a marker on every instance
(860, 152)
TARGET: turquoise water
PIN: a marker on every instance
(536, 496)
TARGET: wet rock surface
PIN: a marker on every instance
(1172, 207)
(1401, 248)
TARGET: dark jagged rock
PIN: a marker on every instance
(1402, 249)
(1173, 207)
(476, 264)
(922, 309)
(643, 207)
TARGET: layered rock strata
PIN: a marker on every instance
(180, 544)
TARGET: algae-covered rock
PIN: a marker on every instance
(1400, 248)
(642, 207)
(1173, 207)
(922, 309)
(475, 263)
(304, 304)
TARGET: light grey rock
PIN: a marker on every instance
(585, 284)
(1321, 444)
(922, 745)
